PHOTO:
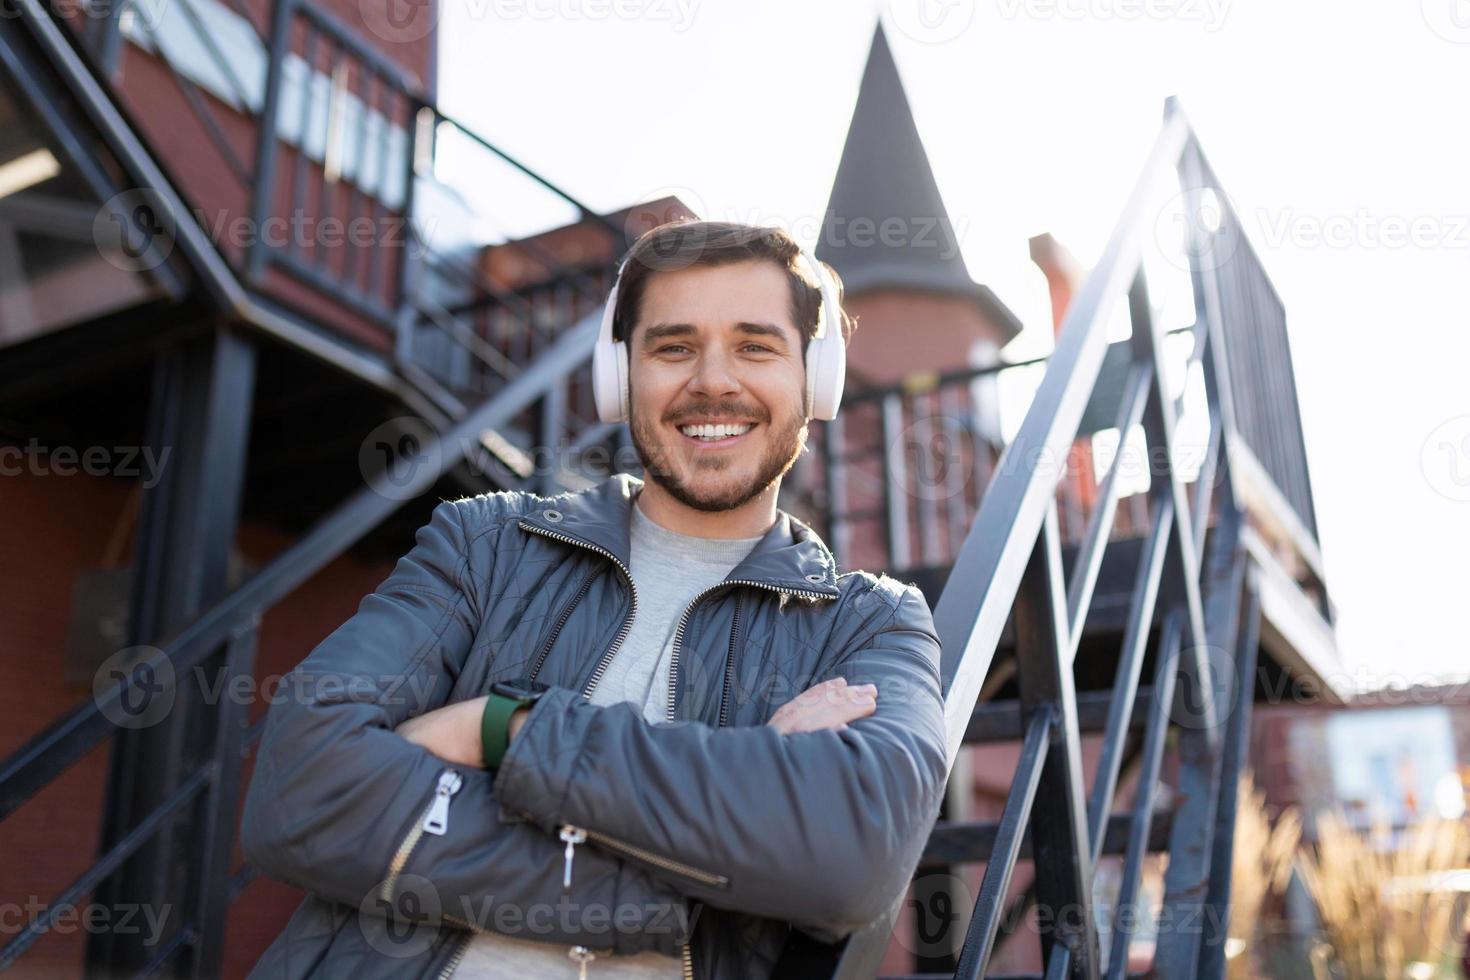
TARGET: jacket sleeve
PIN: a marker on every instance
(821, 829)
(338, 799)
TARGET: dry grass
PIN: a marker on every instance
(1386, 910)
(1263, 857)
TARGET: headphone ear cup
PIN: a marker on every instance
(624, 392)
(610, 367)
(826, 355)
(826, 372)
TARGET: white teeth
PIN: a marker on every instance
(713, 431)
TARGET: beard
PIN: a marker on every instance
(784, 447)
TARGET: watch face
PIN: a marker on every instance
(526, 689)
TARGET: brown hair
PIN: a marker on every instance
(682, 244)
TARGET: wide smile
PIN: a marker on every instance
(716, 436)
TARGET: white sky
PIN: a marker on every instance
(1333, 126)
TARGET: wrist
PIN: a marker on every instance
(506, 708)
(517, 720)
(495, 729)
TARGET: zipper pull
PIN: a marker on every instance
(436, 822)
(581, 956)
(573, 836)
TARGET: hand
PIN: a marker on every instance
(451, 732)
(830, 704)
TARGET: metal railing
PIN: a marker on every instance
(344, 141)
(1191, 605)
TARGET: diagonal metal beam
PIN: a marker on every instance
(1059, 834)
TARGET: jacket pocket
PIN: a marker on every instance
(577, 835)
(433, 819)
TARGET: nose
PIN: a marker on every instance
(713, 375)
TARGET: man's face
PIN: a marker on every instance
(717, 345)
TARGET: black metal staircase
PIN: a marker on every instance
(1192, 621)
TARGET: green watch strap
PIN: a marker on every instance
(495, 727)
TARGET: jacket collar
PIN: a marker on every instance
(790, 556)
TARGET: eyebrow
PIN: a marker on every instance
(663, 331)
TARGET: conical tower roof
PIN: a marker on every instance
(885, 225)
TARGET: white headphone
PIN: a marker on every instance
(826, 356)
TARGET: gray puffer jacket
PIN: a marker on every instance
(709, 837)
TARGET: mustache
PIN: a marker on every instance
(718, 411)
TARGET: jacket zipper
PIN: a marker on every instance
(673, 699)
(463, 948)
(573, 835)
(627, 618)
(434, 819)
(566, 614)
(730, 664)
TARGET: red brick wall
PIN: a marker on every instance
(201, 171)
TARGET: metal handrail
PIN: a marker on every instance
(1009, 563)
(390, 78)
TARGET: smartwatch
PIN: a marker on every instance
(506, 697)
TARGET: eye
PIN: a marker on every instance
(670, 347)
(759, 347)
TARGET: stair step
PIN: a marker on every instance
(959, 843)
(1000, 721)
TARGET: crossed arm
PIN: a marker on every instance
(453, 732)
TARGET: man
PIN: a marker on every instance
(641, 730)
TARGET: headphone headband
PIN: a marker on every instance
(826, 354)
